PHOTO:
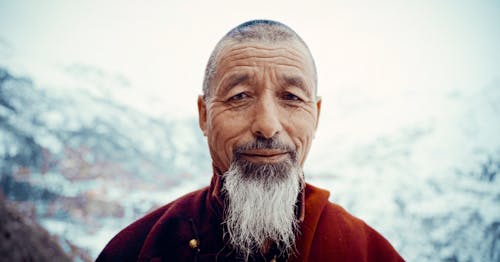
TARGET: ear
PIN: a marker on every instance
(318, 110)
(202, 114)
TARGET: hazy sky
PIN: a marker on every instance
(394, 59)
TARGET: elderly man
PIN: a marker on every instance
(259, 112)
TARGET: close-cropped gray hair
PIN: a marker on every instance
(266, 31)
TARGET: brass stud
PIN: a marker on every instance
(194, 243)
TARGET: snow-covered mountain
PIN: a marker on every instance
(85, 166)
(430, 184)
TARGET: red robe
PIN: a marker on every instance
(189, 229)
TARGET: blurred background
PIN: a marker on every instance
(98, 118)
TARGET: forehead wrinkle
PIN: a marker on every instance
(243, 60)
(249, 68)
(267, 52)
(249, 46)
(253, 68)
(263, 56)
(246, 48)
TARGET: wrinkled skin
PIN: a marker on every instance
(260, 90)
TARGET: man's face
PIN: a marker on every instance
(260, 91)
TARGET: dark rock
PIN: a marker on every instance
(23, 240)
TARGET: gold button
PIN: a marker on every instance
(193, 243)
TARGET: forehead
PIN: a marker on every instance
(287, 57)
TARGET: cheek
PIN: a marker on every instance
(301, 130)
(226, 131)
(303, 142)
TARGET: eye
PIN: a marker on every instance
(291, 97)
(238, 97)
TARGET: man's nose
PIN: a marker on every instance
(266, 121)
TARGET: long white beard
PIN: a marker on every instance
(261, 206)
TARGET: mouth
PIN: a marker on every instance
(265, 155)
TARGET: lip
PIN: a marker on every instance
(265, 155)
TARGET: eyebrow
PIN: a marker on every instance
(234, 80)
(297, 82)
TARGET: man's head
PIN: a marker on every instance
(259, 111)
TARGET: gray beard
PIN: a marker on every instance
(260, 206)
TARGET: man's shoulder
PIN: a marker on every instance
(318, 203)
(320, 209)
(127, 244)
(184, 204)
(338, 228)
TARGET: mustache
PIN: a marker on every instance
(265, 143)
